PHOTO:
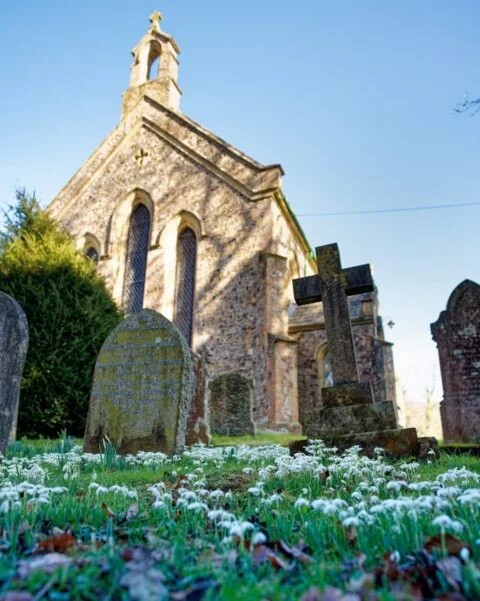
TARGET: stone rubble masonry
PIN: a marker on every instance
(13, 352)
(457, 334)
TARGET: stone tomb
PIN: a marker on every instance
(13, 351)
(349, 414)
(230, 403)
(457, 334)
(142, 387)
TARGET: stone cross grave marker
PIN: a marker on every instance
(13, 351)
(348, 414)
(332, 286)
(142, 387)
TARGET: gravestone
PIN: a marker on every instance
(349, 414)
(198, 428)
(13, 351)
(142, 387)
(230, 403)
(457, 334)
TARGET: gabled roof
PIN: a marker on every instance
(250, 178)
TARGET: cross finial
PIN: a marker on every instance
(140, 156)
(155, 19)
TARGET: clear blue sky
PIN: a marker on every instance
(354, 99)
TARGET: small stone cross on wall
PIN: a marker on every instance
(332, 286)
(140, 156)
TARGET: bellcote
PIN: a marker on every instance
(154, 70)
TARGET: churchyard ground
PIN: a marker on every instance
(244, 522)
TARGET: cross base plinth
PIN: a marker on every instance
(395, 442)
(350, 419)
(351, 393)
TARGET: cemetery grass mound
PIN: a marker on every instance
(238, 522)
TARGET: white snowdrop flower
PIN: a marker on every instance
(259, 538)
(216, 494)
(182, 490)
(255, 491)
(449, 491)
(4, 507)
(301, 502)
(158, 504)
(155, 492)
(356, 496)
(132, 494)
(351, 521)
(275, 498)
(465, 554)
(42, 500)
(395, 485)
(374, 499)
(247, 470)
(239, 528)
(395, 556)
(444, 522)
(181, 503)
(197, 506)
(305, 491)
(101, 490)
(59, 490)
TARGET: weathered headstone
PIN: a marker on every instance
(142, 387)
(13, 351)
(198, 428)
(349, 414)
(457, 334)
(230, 403)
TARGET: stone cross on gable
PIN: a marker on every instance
(155, 19)
(332, 286)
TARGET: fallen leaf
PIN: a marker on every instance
(59, 543)
(196, 590)
(351, 536)
(451, 569)
(313, 594)
(108, 512)
(294, 552)
(262, 554)
(16, 596)
(452, 544)
(46, 563)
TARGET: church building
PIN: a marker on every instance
(183, 223)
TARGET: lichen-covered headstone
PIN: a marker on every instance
(13, 351)
(231, 405)
(142, 387)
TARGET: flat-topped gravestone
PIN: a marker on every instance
(231, 405)
(142, 387)
(13, 351)
(349, 414)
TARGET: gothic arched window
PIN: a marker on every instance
(185, 282)
(92, 254)
(136, 260)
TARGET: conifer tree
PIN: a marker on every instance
(69, 311)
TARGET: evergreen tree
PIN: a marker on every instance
(69, 311)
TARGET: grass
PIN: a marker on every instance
(261, 438)
(129, 540)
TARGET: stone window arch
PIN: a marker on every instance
(185, 282)
(136, 258)
(92, 254)
(325, 375)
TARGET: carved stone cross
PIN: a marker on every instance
(332, 286)
(140, 156)
(155, 19)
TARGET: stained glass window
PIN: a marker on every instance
(185, 283)
(136, 260)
